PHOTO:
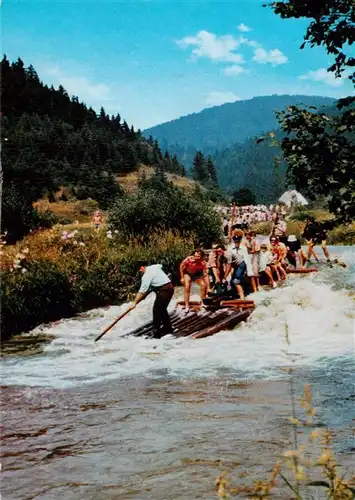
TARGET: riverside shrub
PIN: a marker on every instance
(40, 295)
(48, 277)
(162, 205)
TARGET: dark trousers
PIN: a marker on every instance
(161, 317)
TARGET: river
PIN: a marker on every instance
(133, 418)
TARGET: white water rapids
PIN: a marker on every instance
(318, 310)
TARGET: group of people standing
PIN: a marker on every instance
(240, 263)
(243, 263)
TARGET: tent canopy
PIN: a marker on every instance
(293, 197)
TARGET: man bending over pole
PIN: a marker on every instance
(155, 280)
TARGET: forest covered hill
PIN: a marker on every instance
(227, 133)
(222, 126)
(51, 140)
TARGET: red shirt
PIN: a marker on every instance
(192, 266)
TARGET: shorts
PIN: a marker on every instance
(238, 273)
(316, 241)
(196, 276)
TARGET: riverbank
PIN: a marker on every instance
(57, 274)
(341, 235)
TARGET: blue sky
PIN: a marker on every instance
(153, 61)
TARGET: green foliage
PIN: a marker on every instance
(85, 207)
(211, 172)
(225, 133)
(44, 219)
(243, 196)
(319, 147)
(159, 204)
(51, 140)
(19, 217)
(216, 195)
(204, 171)
(320, 152)
(253, 166)
(40, 295)
(199, 170)
(332, 26)
(105, 273)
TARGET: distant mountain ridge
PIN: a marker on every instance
(227, 133)
(222, 126)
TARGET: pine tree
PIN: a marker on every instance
(56, 140)
(199, 170)
(176, 168)
(167, 165)
(211, 171)
(158, 150)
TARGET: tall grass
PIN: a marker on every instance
(55, 274)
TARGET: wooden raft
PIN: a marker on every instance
(199, 324)
(301, 271)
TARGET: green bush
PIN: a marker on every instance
(45, 219)
(342, 235)
(160, 205)
(18, 216)
(40, 295)
(85, 207)
(42, 291)
(300, 216)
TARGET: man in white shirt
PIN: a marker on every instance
(236, 256)
(155, 280)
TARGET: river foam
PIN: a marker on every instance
(314, 312)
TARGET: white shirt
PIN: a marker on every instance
(265, 258)
(153, 277)
(236, 255)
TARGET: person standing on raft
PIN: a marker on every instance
(236, 256)
(155, 280)
(194, 268)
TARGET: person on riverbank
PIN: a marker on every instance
(155, 280)
(236, 256)
(194, 269)
(97, 220)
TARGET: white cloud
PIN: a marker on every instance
(244, 28)
(245, 41)
(217, 98)
(236, 69)
(274, 57)
(323, 76)
(213, 47)
(81, 86)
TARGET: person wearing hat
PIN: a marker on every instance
(155, 280)
(294, 250)
(215, 266)
(236, 256)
